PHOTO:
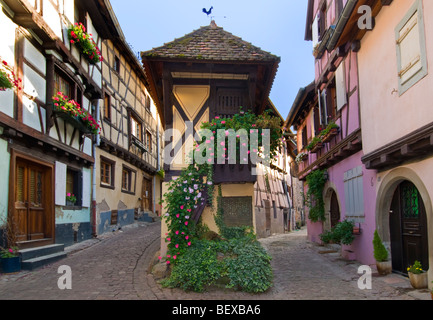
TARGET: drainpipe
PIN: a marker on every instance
(95, 144)
(341, 24)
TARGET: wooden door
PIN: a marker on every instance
(31, 210)
(146, 197)
(408, 228)
(335, 210)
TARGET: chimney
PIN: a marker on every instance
(213, 24)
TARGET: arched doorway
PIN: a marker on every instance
(408, 228)
(334, 210)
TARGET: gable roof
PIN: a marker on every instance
(210, 43)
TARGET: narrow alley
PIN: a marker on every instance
(115, 267)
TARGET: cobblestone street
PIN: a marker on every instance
(115, 267)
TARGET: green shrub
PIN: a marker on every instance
(197, 268)
(243, 261)
(342, 232)
(380, 252)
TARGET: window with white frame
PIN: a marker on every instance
(353, 193)
(411, 51)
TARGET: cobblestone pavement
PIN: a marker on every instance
(115, 267)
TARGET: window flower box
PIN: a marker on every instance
(84, 42)
(315, 145)
(301, 157)
(72, 113)
(330, 132)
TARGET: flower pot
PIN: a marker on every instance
(384, 267)
(418, 280)
(11, 265)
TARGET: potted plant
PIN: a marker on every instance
(10, 260)
(384, 266)
(70, 199)
(9, 256)
(417, 276)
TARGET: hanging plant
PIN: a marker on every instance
(8, 79)
(84, 42)
(316, 182)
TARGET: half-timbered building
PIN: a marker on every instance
(48, 153)
(326, 116)
(206, 74)
(79, 134)
(127, 156)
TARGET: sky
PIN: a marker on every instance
(276, 26)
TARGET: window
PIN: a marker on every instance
(354, 193)
(304, 137)
(64, 84)
(328, 103)
(128, 180)
(61, 84)
(116, 64)
(136, 128)
(411, 49)
(74, 185)
(107, 107)
(107, 173)
(80, 15)
(148, 142)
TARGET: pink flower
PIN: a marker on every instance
(168, 262)
(189, 243)
(181, 207)
(217, 117)
(177, 216)
(159, 257)
(174, 257)
(177, 232)
(187, 237)
(176, 246)
(186, 223)
(189, 210)
(223, 122)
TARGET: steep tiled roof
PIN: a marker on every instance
(211, 43)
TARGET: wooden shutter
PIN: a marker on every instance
(410, 49)
(60, 184)
(354, 193)
(340, 84)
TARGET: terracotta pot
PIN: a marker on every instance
(418, 281)
(384, 267)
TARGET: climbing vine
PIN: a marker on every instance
(316, 182)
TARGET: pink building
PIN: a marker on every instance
(397, 127)
(333, 101)
(372, 80)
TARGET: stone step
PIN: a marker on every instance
(33, 258)
(31, 253)
(34, 263)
